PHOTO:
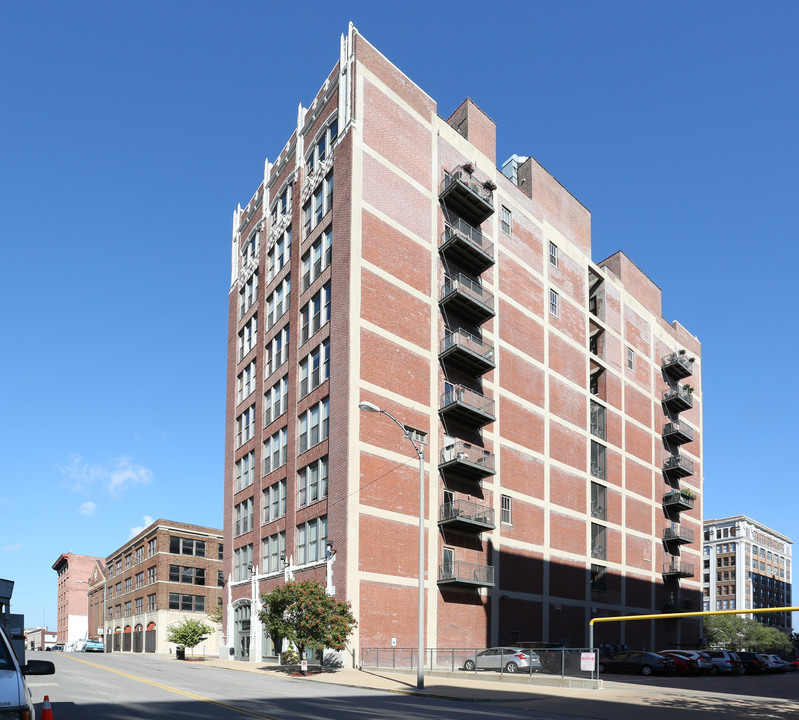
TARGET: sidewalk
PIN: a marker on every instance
(614, 701)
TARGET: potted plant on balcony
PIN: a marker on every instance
(686, 493)
(468, 168)
(490, 186)
(688, 389)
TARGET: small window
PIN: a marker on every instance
(507, 221)
(630, 358)
(554, 303)
(553, 254)
(506, 509)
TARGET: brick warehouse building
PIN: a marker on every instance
(386, 258)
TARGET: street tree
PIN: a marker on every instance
(305, 615)
(735, 632)
(188, 633)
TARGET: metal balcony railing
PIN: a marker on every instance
(678, 466)
(678, 432)
(678, 365)
(468, 459)
(467, 351)
(467, 196)
(460, 572)
(677, 534)
(467, 405)
(466, 513)
(678, 398)
(676, 566)
(467, 246)
(679, 500)
(467, 296)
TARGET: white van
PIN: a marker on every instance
(15, 697)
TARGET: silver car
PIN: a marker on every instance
(508, 659)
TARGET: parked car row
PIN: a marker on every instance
(695, 662)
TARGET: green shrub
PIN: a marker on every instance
(289, 657)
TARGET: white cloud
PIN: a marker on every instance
(146, 522)
(88, 508)
(116, 476)
(15, 547)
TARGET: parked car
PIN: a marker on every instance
(555, 657)
(726, 662)
(15, 696)
(93, 646)
(509, 659)
(683, 665)
(646, 663)
(752, 663)
(776, 663)
(703, 660)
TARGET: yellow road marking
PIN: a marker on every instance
(177, 691)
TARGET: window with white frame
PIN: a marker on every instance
(314, 425)
(506, 509)
(243, 514)
(282, 203)
(507, 221)
(311, 541)
(245, 382)
(248, 295)
(276, 400)
(553, 254)
(554, 303)
(317, 258)
(315, 368)
(274, 502)
(242, 559)
(277, 351)
(315, 313)
(318, 205)
(245, 426)
(251, 247)
(278, 255)
(312, 482)
(322, 145)
(630, 358)
(277, 304)
(245, 471)
(248, 336)
(272, 549)
(275, 449)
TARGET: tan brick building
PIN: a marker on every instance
(168, 572)
(386, 258)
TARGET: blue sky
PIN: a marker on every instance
(130, 132)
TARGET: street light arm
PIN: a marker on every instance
(371, 407)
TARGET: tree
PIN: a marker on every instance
(189, 633)
(305, 615)
(735, 632)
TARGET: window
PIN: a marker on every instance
(248, 295)
(242, 560)
(598, 420)
(311, 541)
(150, 603)
(139, 606)
(315, 368)
(128, 561)
(273, 549)
(275, 449)
(178, 601)
(316, 259)
(251, 247)
(553, 254)
(554, 303)
(598, 501)
(185, 546)
(118, 589)
(506, 221)
(315, 313)
(245, 471)
(597, 460)
(312, 482)
(248, 337)
(598, 578)
(190, 575)
(506, 509)
(278, 256)
(630, 359)
(220, 551)
(282, 205)
(321, 147)
(128, 608)
(128, 584)
(138, 554)
(151, 547)
(274, 502)
(276, 400)
(319, 204)
(245, 382)
(598, 545)
(277, 304)
(314, 425)
(243, 517)
(245, 426)
(151, 575)
(139, 580)
(277, 351)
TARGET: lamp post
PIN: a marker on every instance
(419, 448)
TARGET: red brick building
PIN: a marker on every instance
(72, 620)
(386, 258)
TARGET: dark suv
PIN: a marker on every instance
(752, 663)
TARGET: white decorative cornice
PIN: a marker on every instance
(314, 178)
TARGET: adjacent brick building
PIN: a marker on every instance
(386, 258)
(72, 620)
(168, 572)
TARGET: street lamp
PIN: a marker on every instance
(419, 448)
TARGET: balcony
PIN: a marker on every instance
(673, 606)
(678, 365)
(677, 535)
(466, 515)
(465, 296)
(467, 352)
(464, 195)
(678, 433)
(678, 398)
(679, 500)
(465, 574)
(466, 246)
(466, 406)
(677, 568)
(467, 461)
(676, 466)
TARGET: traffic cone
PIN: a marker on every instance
(47, 713)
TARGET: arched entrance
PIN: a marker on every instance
(241, 630)
(126, 639)
(138, 638)
(149, 638)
